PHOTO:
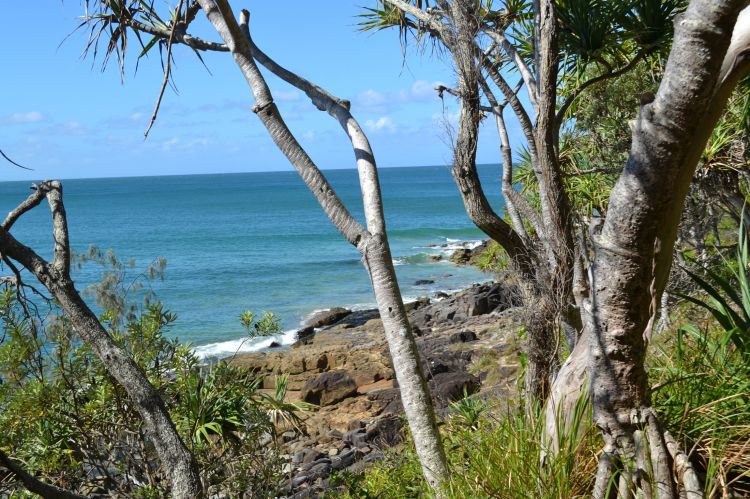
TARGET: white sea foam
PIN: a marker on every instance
(453, 245)
(229, 348)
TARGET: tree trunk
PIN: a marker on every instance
(372, 243)
(633, 255)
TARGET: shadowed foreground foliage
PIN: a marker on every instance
(70, 424)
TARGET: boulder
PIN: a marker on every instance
(450, 386)
(326, 317)
(461, 256)
(423, 282)
(305, 333)
(329, 388)
(386, 431)
(389, 399)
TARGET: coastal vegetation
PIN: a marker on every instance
(631, 297)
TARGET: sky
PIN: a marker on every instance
(61, 115)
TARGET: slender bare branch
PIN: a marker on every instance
(373, 246)
(523, 68)
(40, 191)
(220, 15)
(13, 162)
(61, 259)
(180, 36)
(178, 462)
(167, 71)
(424, 17)
(516, 203)
(339, 110)
(515, 103)
(35, 485)
(560, 116)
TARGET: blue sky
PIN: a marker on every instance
(64, 117)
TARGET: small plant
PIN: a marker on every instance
(730, 308)
(468, 411)
(267, 325)
(281, 413)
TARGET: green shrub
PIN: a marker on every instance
(71, 424)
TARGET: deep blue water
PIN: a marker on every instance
(257, 241)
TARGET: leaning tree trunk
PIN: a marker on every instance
(372, 242)
(633, 254)
(541, 325)
(177, 461)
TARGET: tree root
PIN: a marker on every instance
(644, 461)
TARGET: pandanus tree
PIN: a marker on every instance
(632, 248)
(556, 50)
(138, 17)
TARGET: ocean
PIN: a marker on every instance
(259, 242)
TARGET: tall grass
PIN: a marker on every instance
(490, 456)
(702, 376)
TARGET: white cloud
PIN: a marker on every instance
(27, 117)
(371, 101)
(421, 90)
(374, 101)
(309, 136)
(286, 95)
(384, 123)
(170, 144)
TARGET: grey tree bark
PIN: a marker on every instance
(633, 254)
(372, 242)
(545, 262)
(177, 461)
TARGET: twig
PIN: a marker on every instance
(167, 70)
(13, 162)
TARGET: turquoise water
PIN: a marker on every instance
(257, 241)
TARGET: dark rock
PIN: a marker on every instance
(299, 480)
(461, 256)
(357, 438)
(386, 431)
(323, 460)
(329, 388)
(311, 455)
(373, 457)
(436, 258)
(327, 317)
(355, 424)
(390, 398)
(477, 300)
(450, 386)
(320, 470)
(305, 332)
(298, 457)
(420, 302)
(464, 336)
(345, 460)
(423, 282)
(441, 295)
(274, 344)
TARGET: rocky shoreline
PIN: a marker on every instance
(340, 362)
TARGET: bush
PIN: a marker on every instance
(71, 424)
